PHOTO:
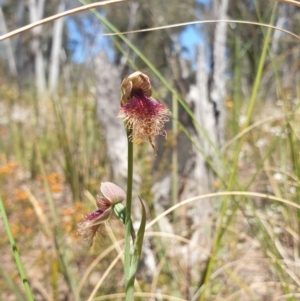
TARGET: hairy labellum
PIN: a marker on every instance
(141, 113)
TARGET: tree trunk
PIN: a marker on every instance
(218, 90)
(207, 99)
(133, 8)
(36, 13)
(8, 47)
(19, 49)
(56, 49)
(200, 178)
(108, 103)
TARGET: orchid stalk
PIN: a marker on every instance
(144, 118)
(128, 223)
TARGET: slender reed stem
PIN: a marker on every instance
(128, 226)
(15, 252)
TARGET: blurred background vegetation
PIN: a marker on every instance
(233, 90)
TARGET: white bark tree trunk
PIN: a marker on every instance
(18, 49)
(36, 9)
(218, 91)
(133, 10)
(8, 47)
(108, 103)
(208, 102)
(200, 176)
(56, 49)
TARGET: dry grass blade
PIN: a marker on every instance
(218, 194)
(38, 286)
(93, 265)
(105, 274)
(98, 4)
(107, 251)
(270, 285)
(293, 233)
(156, 275)
(202, 22)
(116, 243)
(274, 184)
(141, 295)
(57, 16)
(292, 2)
(39, 212)
(229, 265)
(287, 296)
(181, 239)
(90, 197)
(113, 239)
(281, 251)
(251, 127)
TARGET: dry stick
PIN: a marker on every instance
(57, 16)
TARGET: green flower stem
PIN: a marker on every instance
(128, 225)
(15, 252)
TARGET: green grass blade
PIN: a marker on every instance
(13, 287)
(15, 252)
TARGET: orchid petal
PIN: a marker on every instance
(112, 192)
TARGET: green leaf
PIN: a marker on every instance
(138, 244)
